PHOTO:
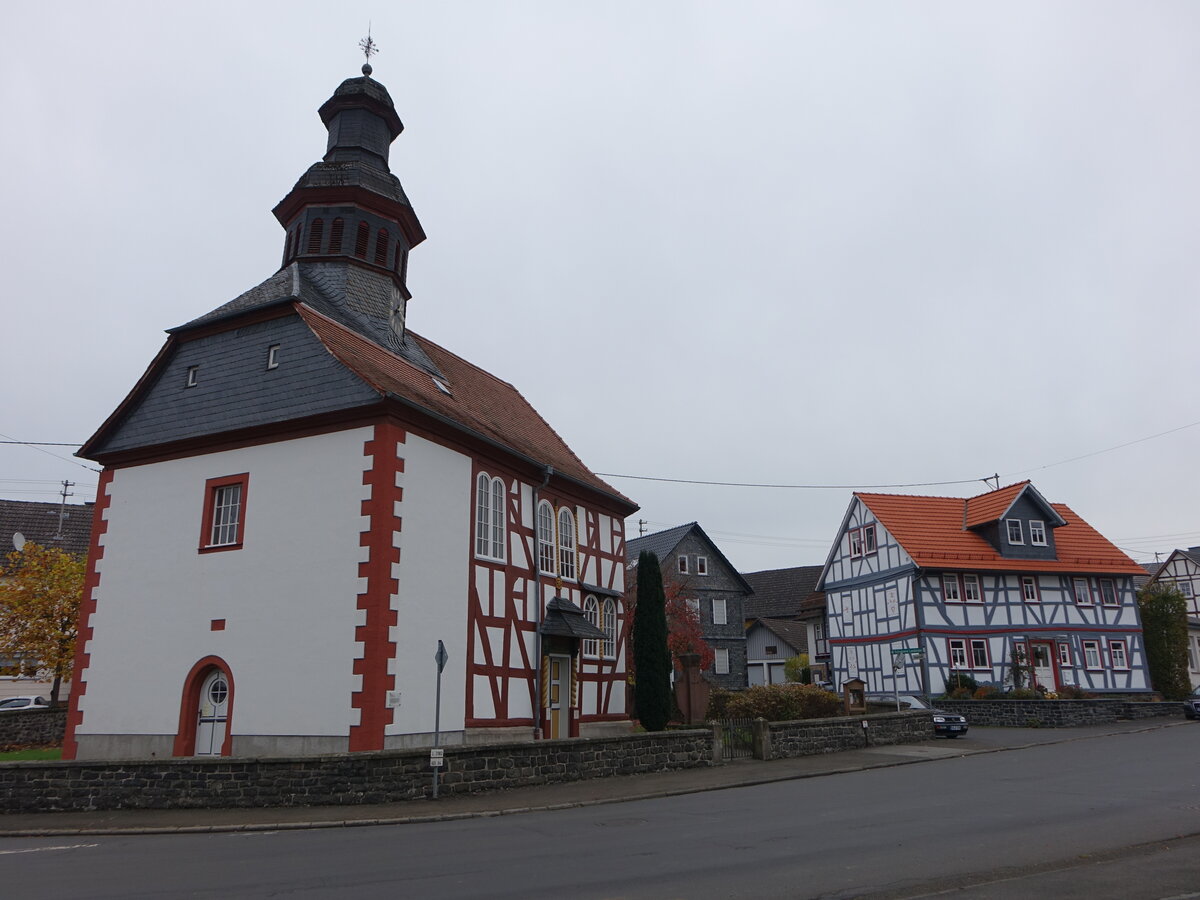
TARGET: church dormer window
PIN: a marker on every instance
(335, 235)
(381, 247)
(361, 239)
(315, 233)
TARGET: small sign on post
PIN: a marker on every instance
(435, 757)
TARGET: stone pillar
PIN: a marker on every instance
(762, 739)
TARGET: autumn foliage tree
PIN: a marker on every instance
(40, 592)
(684, 631)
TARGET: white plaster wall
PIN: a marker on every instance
(435, 555)
(288, 596)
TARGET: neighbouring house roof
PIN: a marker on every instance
(792, 633)
(38, 522)
(932, 531)
(779, 593)
(663, 543)
(1151, 573)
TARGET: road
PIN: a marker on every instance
(1116, 817)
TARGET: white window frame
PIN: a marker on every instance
(273, 356)
(870, 547)
(1037, 532)
(957, 653)
(1185, 588)
(951, 585)
(682, 565)
(1112, 588)
(1020, 531)
(969, 579)
(566, 544)
(702, 565)
(226, 514)
(980, 644)
(721, 661)
(591, 612)
(489, 517)
(856, 543)
(1030, 581)
(193, 376)
(609, 627)
(847, 609)
(1064, 655)
(720, 611)
(1087, 586)
(545, 537)
(1091, 652)
(1115, 647)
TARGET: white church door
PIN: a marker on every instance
(560, 696)
(213, 715)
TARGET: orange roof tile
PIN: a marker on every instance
(931, 530)
(477, 401)
(992, 505)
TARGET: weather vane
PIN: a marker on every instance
(369, 49)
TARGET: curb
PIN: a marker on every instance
(549, 807)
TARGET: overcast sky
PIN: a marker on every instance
(853, 244)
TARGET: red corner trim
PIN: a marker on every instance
(376, 601)
(189, 706)
(87, 606)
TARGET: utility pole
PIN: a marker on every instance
(641, 527)
(62, 507)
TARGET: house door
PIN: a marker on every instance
(213, 715)
(1042, 660)
(560, 696)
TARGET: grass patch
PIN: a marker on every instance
(35, 753)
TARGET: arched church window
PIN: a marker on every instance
(566, 543)
(545, 536)
(315, 233)
(335, 235)
(489, 517)
(591, 612)
(361, 240)
(610, 628)
(381, 247)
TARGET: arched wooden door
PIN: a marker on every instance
(212, 717)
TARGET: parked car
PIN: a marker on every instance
(948, 725)
(8, 704)
(1191, 706)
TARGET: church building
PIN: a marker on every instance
(301, 497)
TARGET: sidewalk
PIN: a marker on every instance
(596, 791)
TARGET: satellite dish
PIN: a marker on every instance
(18, 541)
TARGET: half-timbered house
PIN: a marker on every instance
(302, 497)
(1182, 572)
(918, 588)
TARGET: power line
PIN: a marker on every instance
(39, 445)
(799, 487)
(1105, 450)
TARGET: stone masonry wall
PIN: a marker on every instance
(1055, 713)
(33, 726)
(378, 777)
(814, 736)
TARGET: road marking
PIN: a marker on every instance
(40, 849)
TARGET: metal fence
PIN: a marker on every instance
(737, 738)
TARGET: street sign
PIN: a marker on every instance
(910, 651)
(441, 656)
(435, 757)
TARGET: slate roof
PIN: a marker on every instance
(930, 529)
(791, 632)
(565, 619)
(778, 593)
(38, 522)
(663, 543)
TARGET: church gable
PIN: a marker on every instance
(233, 379)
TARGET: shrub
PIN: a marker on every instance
(718, 702)
(960, 680)
(986, 692)
(1073, 692)
(962, 693)
(783, 703)
(1024, 694)
(1165, 633)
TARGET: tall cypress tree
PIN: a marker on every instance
(652, 659)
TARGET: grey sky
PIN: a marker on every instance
(870, 243)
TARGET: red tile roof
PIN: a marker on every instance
(931, 530)
(477, 401)
(991, 506)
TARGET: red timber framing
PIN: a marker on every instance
(86, 608)
(376, 601)
(502, 612)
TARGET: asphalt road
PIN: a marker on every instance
(1101, 818)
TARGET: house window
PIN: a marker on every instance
(683, 565)
(1082, 591)
(489, 517)
(979, 655)
(1116, 650)
(971, 589)
(545, 533)
(819, 638)
(1108, 592)
(193, 376)
(1037, 533)
(1185, 588)
(720, 611)
(721, 661)
(771, 650)
(868, 539)
(1064, 655)
(847, 609)
(1091, 654)
(701, 565)
(224, 520)
(1015, 534)
(610, 628)
(566, 543)
(693, 604)
(950, 589)
(591, 612)
(958, 653)
(273, 356)
(1029, 589)
(856, 543)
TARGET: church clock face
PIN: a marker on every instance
(397, 318)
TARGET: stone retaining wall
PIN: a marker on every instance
(1055, 713)
(33, 726)
(379, 777)
(813, 736)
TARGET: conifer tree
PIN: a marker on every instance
(652, 690)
